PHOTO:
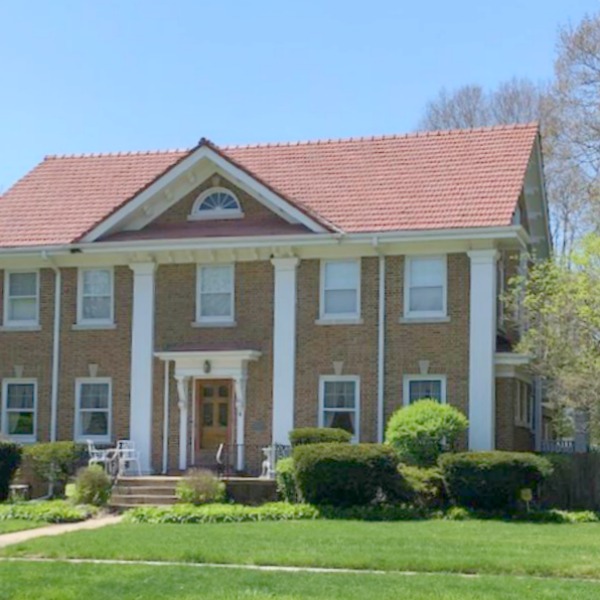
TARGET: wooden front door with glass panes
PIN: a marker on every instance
(214, 412)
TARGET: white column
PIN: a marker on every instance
(240, 420)
(142, 356)
(284, 348)
(482, 348)
(182, 392)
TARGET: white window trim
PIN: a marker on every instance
(213, 215)
(214, 321)
(7, 323)
(524, 401)
(341, 318)
(80, 437)
(408, 379)
(333, 378)
(425, 314)
(501, 291)
(99, 322)
(17, 380)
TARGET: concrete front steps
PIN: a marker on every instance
(130, 492)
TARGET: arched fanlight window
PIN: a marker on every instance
(216, 203)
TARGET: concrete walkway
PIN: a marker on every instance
(7, 539)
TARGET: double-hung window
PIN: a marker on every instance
(93, 397)
(21, 298)
(340, 290)
(95, 297)
(215, 294)
(425, 287)
(340, 403)
(421, 387)
(19, 401)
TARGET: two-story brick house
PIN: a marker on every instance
(185, 299)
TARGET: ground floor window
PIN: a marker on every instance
(419, 387)
(339, 400)
(19, 400)
(524, 404)
(93, 409)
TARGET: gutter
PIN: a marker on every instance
(55, 347)
(380, 344)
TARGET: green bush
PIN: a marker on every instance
(200, 486)
(422, 431)
(50, 511)
(492, 480)
(424, 488)
(55, 462)
(286, 480)
(346, 475)
(92, 486)
(10, 458)
(319, 435)
(220, 513)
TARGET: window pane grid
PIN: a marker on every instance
(22, 297)
(421, 389)
(340, 288)
(426, 285)
(94, 409)
(340, 408)
(215, 296)
(96, 295)
(20, 409)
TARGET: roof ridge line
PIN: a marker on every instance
(118, 153)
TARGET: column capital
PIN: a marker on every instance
(285, 264)
(143, 268)
(489, 255)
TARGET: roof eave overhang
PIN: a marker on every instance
(489, 235)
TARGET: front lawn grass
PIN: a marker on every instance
(11, 525)
(60, 581)
(486, 547)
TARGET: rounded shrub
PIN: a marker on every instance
(285, 479)
(10, 458)
(200, 486)
(346, 475)
(492, 481)
(319, 435)
(422, 431)
(92, 486)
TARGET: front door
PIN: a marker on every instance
(214, 412)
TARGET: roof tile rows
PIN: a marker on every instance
(437, 180)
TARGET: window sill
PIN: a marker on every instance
(409, 320)
(21, 328)
(207, 324)
(341, 321)
(20, 439)
(92, 326)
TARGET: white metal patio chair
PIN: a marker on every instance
(97, 456)
(128, 457)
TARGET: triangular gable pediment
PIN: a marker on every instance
(194, 173)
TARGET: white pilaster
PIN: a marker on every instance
(284, 348)
(240, 416)
(183, 403)
(482, 347)
(142, 350)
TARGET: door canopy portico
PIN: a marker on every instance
(197, 362)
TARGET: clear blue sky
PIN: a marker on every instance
(107, 75)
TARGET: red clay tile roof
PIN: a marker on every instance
(437, 180)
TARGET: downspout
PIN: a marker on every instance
(166, 398)
(380, 344)
(55, 347)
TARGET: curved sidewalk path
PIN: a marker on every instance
(7, 539)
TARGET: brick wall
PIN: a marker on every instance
(444, 345)
(508, 435)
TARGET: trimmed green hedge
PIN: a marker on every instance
(346, 475)
(318, 435)
(424, 488)
(10, 459)
(285, 478)
(492, 480)
(51, 511)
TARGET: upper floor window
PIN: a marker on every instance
(21, 298)
(216, 203)
(215, 294)
(425, 287)
(95, 296)
(93, 409)
(421, 387)
(340, 289)
(19, 409)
